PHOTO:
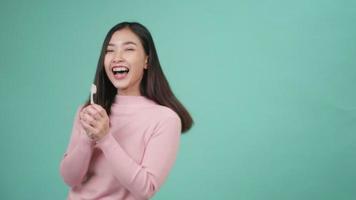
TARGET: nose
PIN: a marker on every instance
(117, 57)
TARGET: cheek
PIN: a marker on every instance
(138, 61)
(138, 72)
(106, 64)
(106, 60)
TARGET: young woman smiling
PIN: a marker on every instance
(124, 145)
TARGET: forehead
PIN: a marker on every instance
(123, 36)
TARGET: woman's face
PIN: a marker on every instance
(125, 61)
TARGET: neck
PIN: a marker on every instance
(129, 92)
(132, 100)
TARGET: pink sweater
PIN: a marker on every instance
(132, 161)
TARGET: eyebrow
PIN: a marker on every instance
(125, 43)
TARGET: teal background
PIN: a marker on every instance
(270, 84)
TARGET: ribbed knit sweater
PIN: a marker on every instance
(132, 161)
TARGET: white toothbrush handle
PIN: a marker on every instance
(92, 92)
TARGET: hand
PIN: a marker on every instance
(95, 121)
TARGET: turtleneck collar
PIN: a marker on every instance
(132, 100)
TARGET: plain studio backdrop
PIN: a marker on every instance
(270, 85)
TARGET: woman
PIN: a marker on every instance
(124, 145)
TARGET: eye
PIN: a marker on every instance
(108, 50)
(130, 49)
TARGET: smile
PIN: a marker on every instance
(120, 70)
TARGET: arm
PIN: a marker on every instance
(144, 180)
(75, 162)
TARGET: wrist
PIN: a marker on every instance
(104, 139)
(86, 139)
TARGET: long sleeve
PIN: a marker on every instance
(75, 162)
(144, 179)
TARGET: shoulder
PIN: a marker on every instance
(163, 113)
(167, 121)
(165, 118)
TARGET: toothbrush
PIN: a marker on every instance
(92, 92)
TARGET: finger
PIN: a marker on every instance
(93, 112)
(89, 119)
(100, 109)
(85, 123)
(88, 127)
(91, 135)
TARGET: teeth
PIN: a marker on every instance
(120, 69)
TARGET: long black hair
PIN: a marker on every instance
(154, 84)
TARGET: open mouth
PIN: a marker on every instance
(120, 70)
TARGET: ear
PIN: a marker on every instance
(146, 63)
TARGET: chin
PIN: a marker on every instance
(121, 86)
